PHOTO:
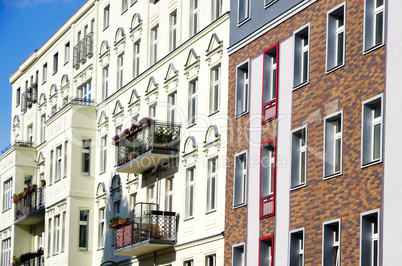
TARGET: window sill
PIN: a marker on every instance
(209, 212)
(373, 48)
(124, 11)
(133, 3)
(298, 187)
(301, 85)
(270, 4)
(102, 172)
(239, 206)
(334, 68)
(54, 73)
(267, 216)
(243, 21)
(214, 113)
(66, 63)
(86, 174)
(188, 219)
(43, 82)
(371, 163)
(105, 28)
(99, 249)
(6, 210)
(192, 125)
(241, 114)
(56, 181)
(332, 175)
(83, 249)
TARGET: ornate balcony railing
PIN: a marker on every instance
(29, 144)
(83, 50)
(30, 203)
(30, 259)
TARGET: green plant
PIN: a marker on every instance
(163, 134)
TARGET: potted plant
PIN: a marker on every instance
(25, 193)
(162, 136)
(123, 221)
(114, 221)
(146, 121)
(133, 128)
(126, 132)
(43, 182)
(16, 260)
(116, 139)
(33, 188)
(15, 198)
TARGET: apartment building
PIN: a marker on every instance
(118, 137)
(312, 152)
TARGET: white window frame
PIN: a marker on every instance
(367, 132)
(331, 242)
(169, 193)
(102, 228)
(152, 111)
(55, 63)
(331, 137)
(51, 167)
(43, 128)
(105, 83)
(243, 88)
(44, 73)
(212, 184)
(151, 193)
(56, 236)
(8, 194)
(124, 6)
(210, 260)
(120, 71)
(66, 52)
(301, 65)
(6, 246)
(216, 10)
(195, 17)
(154, 44)
(173, 30)
(30, 134)
(49, 238)
(137, 56)
(84, 223)
(370, 25)
(59, 162)
(188, 262)
(239, 259)
(172, 107)
(240, 21)
(333, 31)
(106, 17)
(103, 154)
(296, 246)
(63, 232)
(193, 102)
(85, 93)
(299, 146)
(368, 221)
(215, 89)
(86, 151)
(133, 201)
(190, 191)
(240, 178)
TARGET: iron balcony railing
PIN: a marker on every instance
(31, 259)
(29, 97)
(156, 135)
(149, 225)
(75, 101)
(31, 202)
(83, 50)
(29, 144)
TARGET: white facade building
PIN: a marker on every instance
(111, 64)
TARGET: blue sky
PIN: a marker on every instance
(25, 25)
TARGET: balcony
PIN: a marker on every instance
(30, 258)
(83, 50)
(269, 111)
(147, 147)
(29, 97)
(30, 209)
(149, 232)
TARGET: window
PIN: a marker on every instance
(49, 237)
(7, 252)
(86, 156)
(30, 134)
(120, 64)
(137, 58)
(172, 107)
(133, 201)
(51, 166)
(116, 209)
(190, 193)
(192, 102)
(65, 159)
(63, 232)
(173, 30)
(336, 37)
(17, 97)
(106, 13)
(42, 128)
(66, 53)
(333, 130)
(55, 63)
(195, 17)
(151, 191)
(331, 243)
(215, 90)
(44, 73)
(56, 234)
(238, 255)
(267, 178)
(103, 154)
(301, 56)
(373, 24)
(85, 93)
(154, 45)
(105, 87)
(102, 228)
(58, 163)
(8, 193)
(242, 10)
(240, 179)
(242, 89)
(216, 9)
(372, 131)
(266, 251)
(370, 238)
(169, 194)
(152, 111)
(210, 260)
(270, 82)
(296, 251)
(188, 263)
(299, 157)
(83, 235)
(124, 5)
(212, 183)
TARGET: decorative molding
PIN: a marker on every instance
(171, 78)
(192, 66)
(214, 51)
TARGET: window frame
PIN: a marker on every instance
(106, 17)
(86, 149)
(105, 82)
(244, 178)
(44, 73)
(297, 135)
(56, 236)
(269, 144)
(59, 162)
(235, 261)
(192, 102)
(245, 88)
(169, 193)
(154, 44)
(327, 229)
(7, 194)
(332, 47)
(294, 235)
(6, 251)
(215, 90)
(55, 62)
(208, 258)
(331, 141)
(261, 242)
(273, 101)
(124, 6)
(247, 15)
(173, 30)
(172, 100)
(299, 45)
(268, 3)
(365, 218)
(190, 190)
(212, 183)
(86, 224)
(120, 71)
(137, 57)
(102, 228)
(66, 53)
(370, 25)
(103, 154)
(195, 17)
(18, 97)
(216, 9)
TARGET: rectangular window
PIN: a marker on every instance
(373, 24)
(173, 30)
(83, 233)
(240, 179)
(335, 37)
(7, 198)
(192, 102)
(102, 228)
(120, 64)
(59, 162)
(133, 201)
(65, 159)
(85, 93)
(331, 243)
(188, 263)
(238, 258)
(370, 238)
(103, 154)
(56, 235)
(152, 111)
(212, 183)
(270, 82)
(267, 178)
(154, 44)
(299, 157)
(216, 9)
(124, 5)
(172, 107)
(372, 131)
(42, 128)
(105, 85)
(151, 191)
(30, 134)
(242, 10)
(215, 90)
(116, 209)
(6, 252)
(301, 56)
(296, 252)
(51, 167)
(333, 136)
(137, 53)
(266, 251)
(195, 17)
(169, 194)
(55, 63)
(190, 193)
(242, 89)
(63, 232)
(86, 156)
(44, 73)
(17, 97)
(106, 13)
(49, 238)
(66, 53)
(210, 260)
